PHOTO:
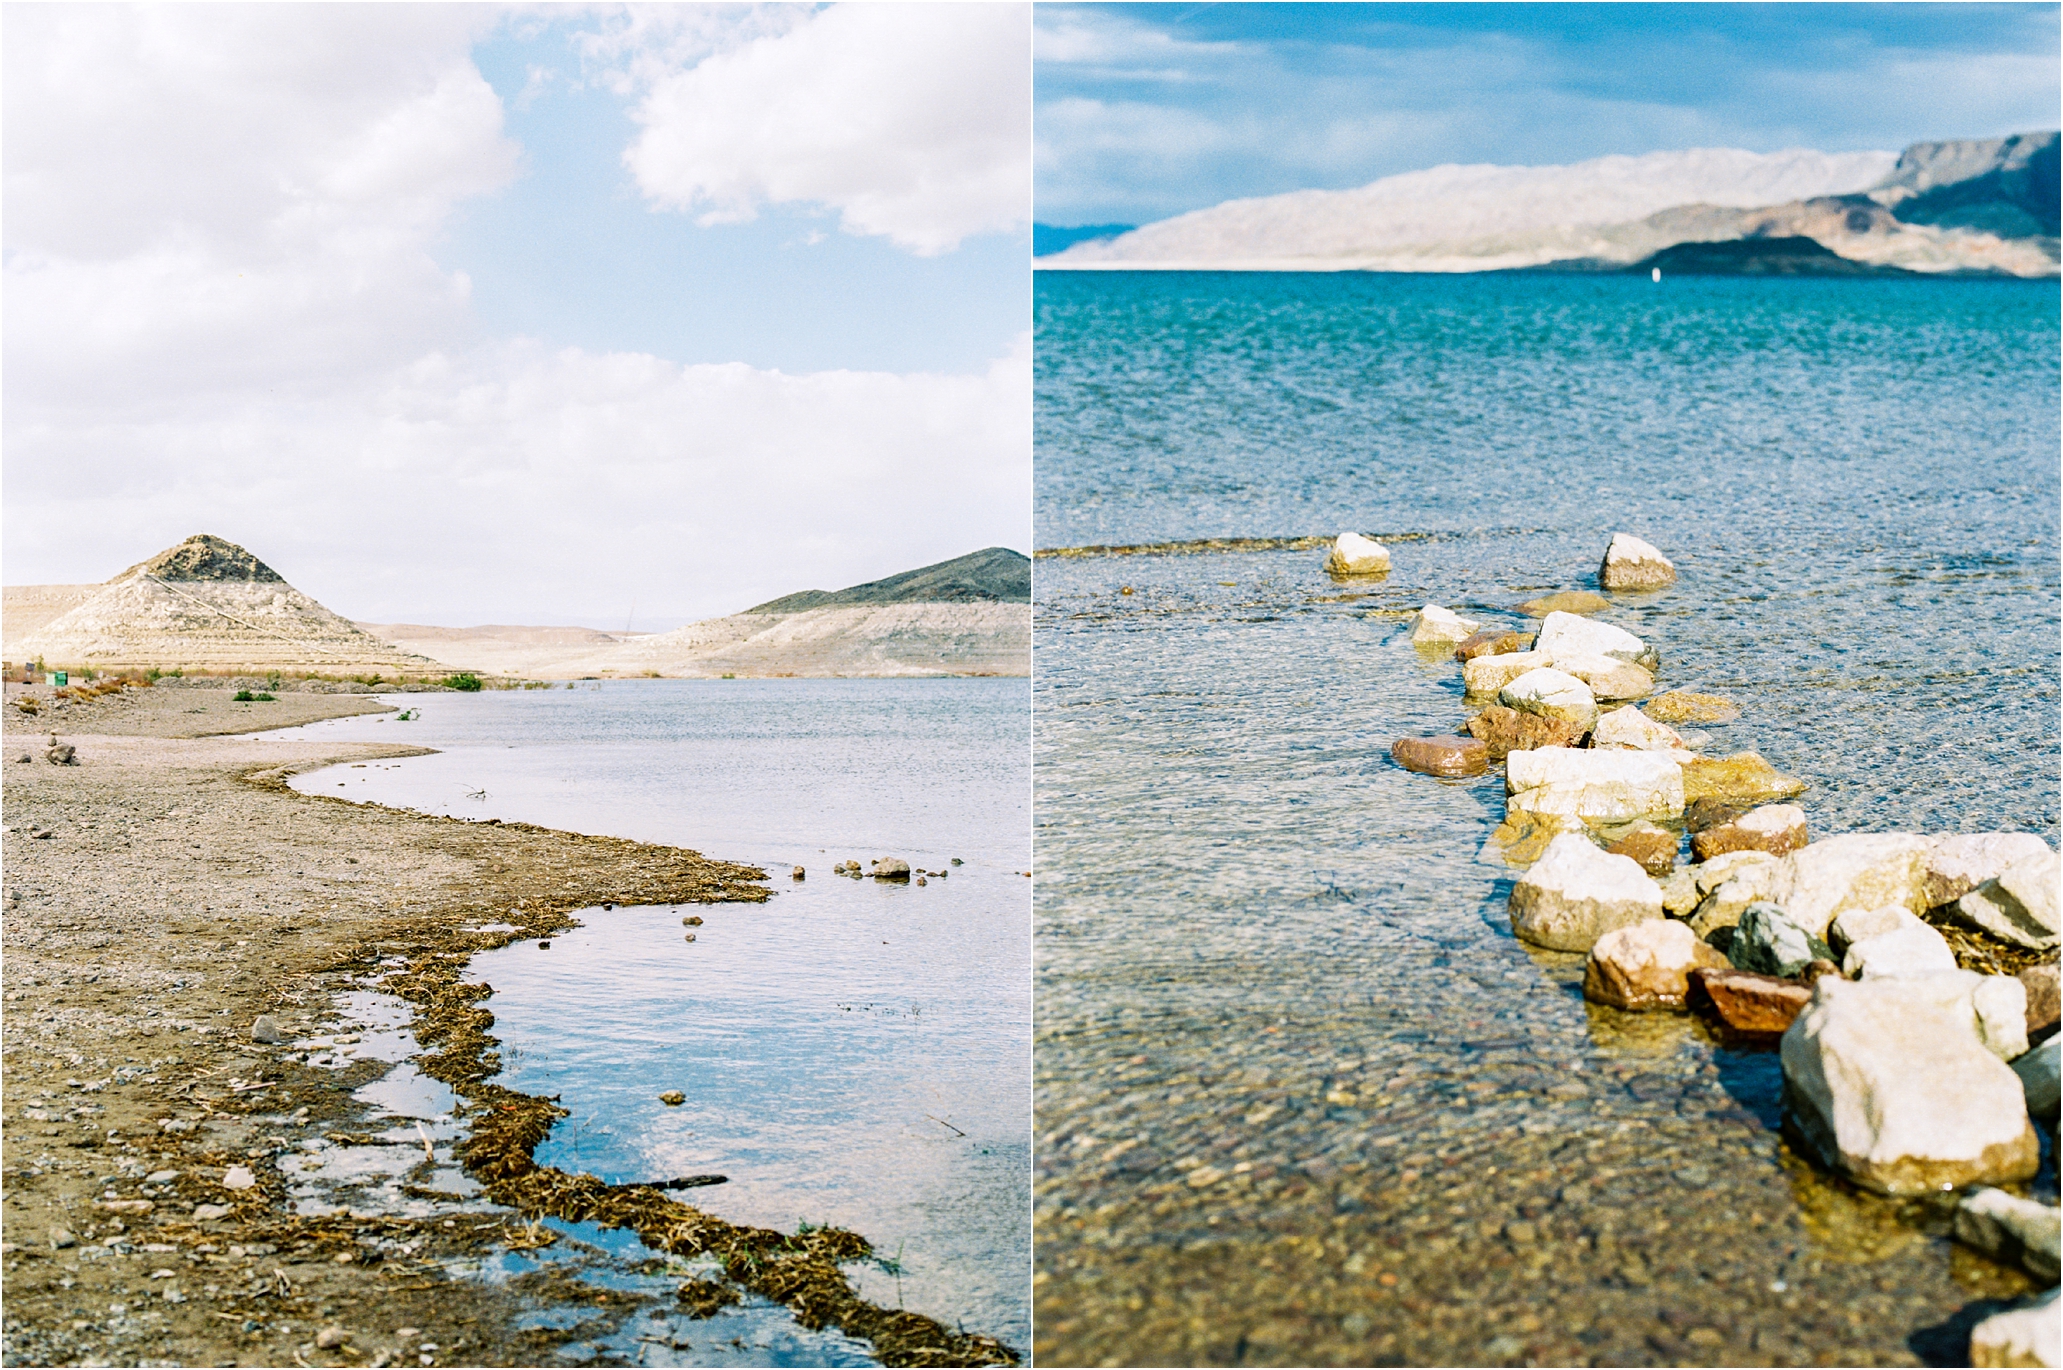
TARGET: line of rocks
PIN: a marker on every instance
(1904, 1070)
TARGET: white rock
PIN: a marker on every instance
(208, 1213)
(2018, 905)
(2012, 1231)
(1576, 892)
(1551, 694)
(1629, 728)
(1631, 564)
(1902, 953)
(1486, 675)
(2028, 1335)
(1607, 676)
(1354, 555)
(1758, 867)
(1894, 1089)
(1820, 882)
(1858, 925)
(1604, 787)
(1435, 626)
(1960, 862)
(238, 1177)
(1999, 1003)
(2037, 1071)
(1574, 635)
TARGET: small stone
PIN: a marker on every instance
(2012, 1231)
(1563, 602)
(239, 1177)
(2042, 998)
(891, 868)
(61, 1238)
(1355, 555)
(693, 920)
(208, 1213)
(1905, 952)
(61, 754)
(161, 1177)
(267, 1030)
(1685, 706)
(2031, 1334)
(2037, 1070)
(1679, 894)
(1645, 965)
(672, 1097)
(797, 874)
(1655, 848)
(1742, 777)
(330, 1338)
(1434, 626)
(1633, 730)
(1495, 640)
(1754, 1009)
(1632, 564)
(1575, 894)
(1551, 694)
(1451, 757)
(1486, 675)
(1521, 1233)
(2019, 905)
(1503, 731)
(1775, 828)
(1767, 942)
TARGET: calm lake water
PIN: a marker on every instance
(852, 1053)
(1301, 1097)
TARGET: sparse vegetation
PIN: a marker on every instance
(247, 697)
(463, 680)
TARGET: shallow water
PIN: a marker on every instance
(1300, 1094)
(853, 1053)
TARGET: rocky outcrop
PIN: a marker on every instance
(2006, 187)
(1599, 787)
(1891, 1088)
(1575, 894)
(1645, 965)
(1355, 555)
(1632, 564)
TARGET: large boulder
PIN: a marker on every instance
(1818, 883)
(1906, 951)
(2019, 904)
(2012, 1231)
(1600, 787)
(1778, 829)
(1627, 728)
(1960, 862)
(1727, 885)
(1645, 965)
(1573, 635)
(2037, 1072)
(2031, 1334)
(1434, 626)
(1607, 676)
(1575, 894)
(1504, 731)
(1891, 1087)
(1631, 564)
(1769, 943)
(1355, 555)
(1494, 640)
(1449, 757)
(1486, 675)
(1857, 925)
(1551, 694)
(1743, 778)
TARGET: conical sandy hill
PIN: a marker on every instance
(211, 605)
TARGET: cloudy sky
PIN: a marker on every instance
(1145, 111)
(464, 315)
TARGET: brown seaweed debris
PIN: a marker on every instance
(706, 1298)
(1980, 951)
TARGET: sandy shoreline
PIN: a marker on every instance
(181, 891)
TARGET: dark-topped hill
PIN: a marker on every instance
(992, 574)
(2006, 186)
(1759, 257)
(205, 557)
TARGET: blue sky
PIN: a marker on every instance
(1144, 111)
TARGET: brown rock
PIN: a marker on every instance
(1505, 730)
(1443, 756)
(1655, 848)
(1564, 602)
(1774, 828)
(1683, 706)
(1491, 642)
(1742, 776)
(2040, 980)
(1750, 1008)
(1710, 813)
(1645, 965)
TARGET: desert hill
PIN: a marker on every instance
(992, 574)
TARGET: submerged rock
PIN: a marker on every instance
(1491, 641)
(1486, 675)
(1355, 555)
(1574, 894)
(1551, 694)
(1700, 814)
(1778, 829)
(1891, 1088)
(1600, 787)
(891, 868)
(1960, 862)
(1564, 602)
(2037, 1071)
(1632, 564)
(1504, 731)
(1767, 942)
(2019, 904)
(1573, 635)
(2029, 1335)
(2012, 1231)
(1435, 626)
(1743, 777)
(1628, 728)
(1645, 965)
(1821, 881)
(1753, 1008)
(1684, 706)
(1442, 756)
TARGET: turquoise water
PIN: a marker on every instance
(852, 1053)
(1296, 1085)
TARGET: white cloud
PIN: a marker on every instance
(912, 121)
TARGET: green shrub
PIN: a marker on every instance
(464, 680)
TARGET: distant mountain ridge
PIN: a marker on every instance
(1977, 205)
(994, 574)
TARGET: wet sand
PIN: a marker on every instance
(160, 895)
